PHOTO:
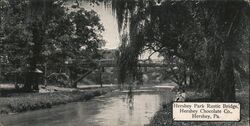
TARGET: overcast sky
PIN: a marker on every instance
(111, 34)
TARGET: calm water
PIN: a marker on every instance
(109, 110)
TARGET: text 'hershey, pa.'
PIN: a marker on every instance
(206, 111)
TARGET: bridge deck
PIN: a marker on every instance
(112, 63)
(139, 65)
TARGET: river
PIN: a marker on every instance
(114, 109)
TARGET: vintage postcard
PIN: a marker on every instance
(124, 62)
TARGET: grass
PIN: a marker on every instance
(21, 102)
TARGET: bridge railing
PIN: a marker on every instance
(141, 63)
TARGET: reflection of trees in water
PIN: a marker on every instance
(130, 98)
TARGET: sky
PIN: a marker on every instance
(111, 34)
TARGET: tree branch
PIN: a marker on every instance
(231, 25)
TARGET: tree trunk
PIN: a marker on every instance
(73, 76)
(224, 87)
(35, 58)
(100, 75)
(229, 22)
(28, 82)
(228, 76)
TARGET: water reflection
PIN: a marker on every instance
(130, 99)
(130, 110)
(117, 110)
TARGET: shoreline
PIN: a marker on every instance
(19, 102)
(163, 117)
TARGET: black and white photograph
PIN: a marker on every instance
(124, 62)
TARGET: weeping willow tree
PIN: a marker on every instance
(130, 16)
(206, 35)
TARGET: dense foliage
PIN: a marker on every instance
(49, 33)
(205, 40)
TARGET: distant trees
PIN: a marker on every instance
(39, 32)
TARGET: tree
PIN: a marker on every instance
(205, 34)
(228, 21)
(48, 31)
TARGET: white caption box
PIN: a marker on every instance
(206, 111)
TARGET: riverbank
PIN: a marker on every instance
(164, 116)
(20, 102)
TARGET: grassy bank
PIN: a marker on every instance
(21, 102)
(164, 116)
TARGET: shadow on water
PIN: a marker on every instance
(130, 99)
